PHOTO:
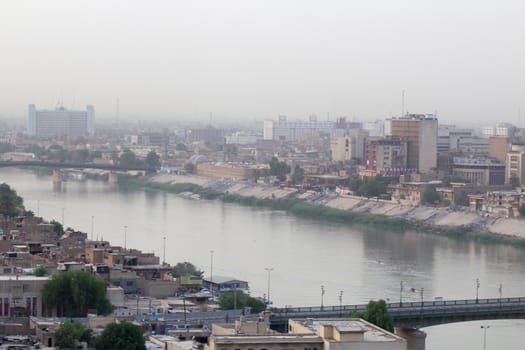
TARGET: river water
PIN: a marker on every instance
(362, 263)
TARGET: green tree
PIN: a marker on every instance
(298, 174)
(11, 204)
(57, 227)
(279, 169)
(181, 147)
(80, 156)
(153, 159)
(40, 271)
(377, 313)
(373, 187)
(128, 159)
(430, 196)
(69, 334)
(74, 292)
(57, 152)
(522, 209)
(186, 268)
(5, 147)
(123, 335)
(514, 181)
(354, 183)
(189, 167)
(227, 301)
(38, 151)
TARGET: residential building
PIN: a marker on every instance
(515, 164)
(21, 296)
(420, 132)
(410, 193)
(61, 122)
(291, 131)
(348, 147)
(386, 153)
(504, 203)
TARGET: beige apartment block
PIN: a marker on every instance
(305, 334)
(420, 133)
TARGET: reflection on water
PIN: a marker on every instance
(363, 263)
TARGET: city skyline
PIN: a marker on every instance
(245, 61)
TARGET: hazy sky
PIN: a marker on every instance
(257, 59)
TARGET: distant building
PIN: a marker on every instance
(479, 171)
(60, 122)
(420, 132)
(291, 131)
(386, 153)
(498, 148)
(501, 129)
(209, 135)
(348, 147)
(515, 164)
(449, 138)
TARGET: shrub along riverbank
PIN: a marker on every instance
(304, 209)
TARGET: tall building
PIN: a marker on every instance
(386, 153)
(291, 131)
(60, 122)
(515, 164)
(420, 132)
(350, 146)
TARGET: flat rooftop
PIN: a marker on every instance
(370, 332)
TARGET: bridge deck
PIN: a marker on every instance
(420, 313)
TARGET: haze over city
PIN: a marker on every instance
(258, 59)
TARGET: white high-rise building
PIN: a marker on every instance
(290, 131)
(60, 122)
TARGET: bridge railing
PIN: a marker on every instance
(397, 306)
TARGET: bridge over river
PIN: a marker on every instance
(416, 314)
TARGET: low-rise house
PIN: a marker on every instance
(504, 203)
(223, 283)
(410, 193)
(21, 296)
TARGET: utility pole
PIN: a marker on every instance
(92, 225)
(164, 249)
(211, 272)
(125, 235)
(269, 270)
(322, 297)
(400, 293)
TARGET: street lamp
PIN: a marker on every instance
(400, 293)
(500, 291)
(92, 225)
(322, 296)
(341, 303)
(269, 269)
(477, 289)
(484, 336)
(211, 272)
(421, 292)
(164, 250)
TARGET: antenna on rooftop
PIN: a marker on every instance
(117, 111)
(402, 102)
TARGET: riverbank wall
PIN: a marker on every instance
(447, 221)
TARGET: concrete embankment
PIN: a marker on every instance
(444, 217)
